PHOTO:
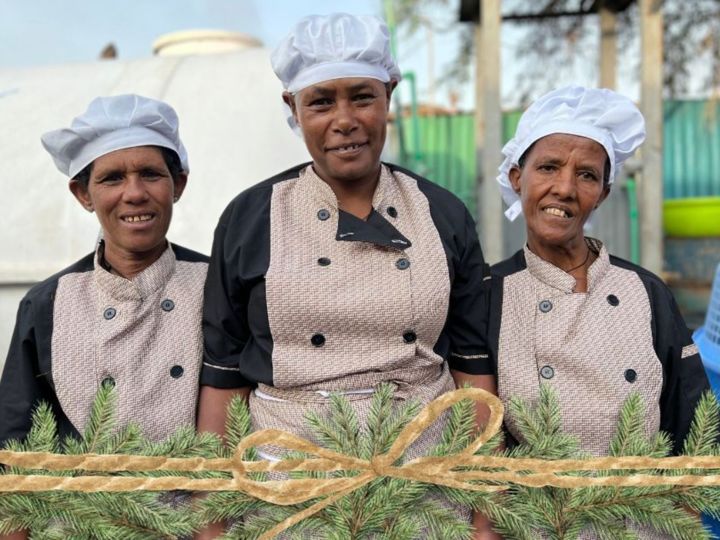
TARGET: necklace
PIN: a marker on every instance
(587, 256)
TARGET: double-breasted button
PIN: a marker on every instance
(402, 264)
(323, 214)
(108, 381)
(176, 372)
(167, 305)
(318, 340)
(545, 306)
(613, 300)
(392, 212)
(323, 261)
(547, 372)
(409, 337)
(109, 313)
(630, 375)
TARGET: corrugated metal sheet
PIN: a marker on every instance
(691, 156)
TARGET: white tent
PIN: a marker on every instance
(231, 121)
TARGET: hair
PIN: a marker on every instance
(606, 169)
(172, 162)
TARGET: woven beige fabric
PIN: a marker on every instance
(582, 346)
(138, 346)
(362, 303)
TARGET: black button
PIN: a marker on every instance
(318, 340)
(176, 372)
(630, 375)
(409, 337)
(323, 215)
(109, 313)
(324, 261)
(545, 306)
(392, 212)
(402, 264)
(109, 381)
(167, 305)
(547, 372)
(613, 300)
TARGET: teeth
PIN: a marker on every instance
(134, 219)
(555, 212)
(348, 148)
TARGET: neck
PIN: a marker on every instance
(571, 257)
(354, 195)
(129, 264)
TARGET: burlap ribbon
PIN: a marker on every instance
(462, 470)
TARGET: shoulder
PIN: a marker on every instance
(48, 286)
(509, 266)
(256, 199)
(436, 194)
(653, 284)
(188, 255)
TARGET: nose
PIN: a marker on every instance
(564, 184)
(135, 190)
(345, 121)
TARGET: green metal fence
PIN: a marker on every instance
(691, 155)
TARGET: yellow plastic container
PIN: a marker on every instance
(696, 217)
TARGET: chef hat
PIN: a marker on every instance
(598, 114)
(324, 47)
(114, 123)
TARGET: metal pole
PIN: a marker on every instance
(650, 186)
(608, 48)
(489, 129)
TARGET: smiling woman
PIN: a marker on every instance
(129, 313)
(347, 272)
(566, 313)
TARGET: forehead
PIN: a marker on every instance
(347, 84)
(137, 157)
(561, 145)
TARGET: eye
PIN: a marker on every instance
(111, 178)
(152, 174)
(320, 103)
(364, 98)
(547, 167)
(588, 175)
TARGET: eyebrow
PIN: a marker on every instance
(324, 90)
(557, 161)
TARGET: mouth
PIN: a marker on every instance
(137, 218)
(347, 148)
(557, 211)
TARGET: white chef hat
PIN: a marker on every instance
(114, 123)
(336, 46)
(602, 115)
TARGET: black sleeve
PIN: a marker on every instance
(20, 385)
(468, 310)
(684, 375)
(225, 329)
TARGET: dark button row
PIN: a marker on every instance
(400, 264)
(166, 305)
(547, 372)
(324, 214)
(546, 305)
(318, 340)
(175, 372)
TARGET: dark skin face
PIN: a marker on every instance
(344, 123)
(560, 184)
(132, 193)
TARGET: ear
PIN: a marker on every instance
(81, 194)
(514, 174)
(389, 89)
(603, 195)
(179, 184)
(289, 100)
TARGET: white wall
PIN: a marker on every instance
(231, 121)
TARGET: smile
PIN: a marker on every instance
(557, 212)
(136, 219)
(347, 149)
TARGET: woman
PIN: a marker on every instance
(343, 273)
(563, 311)
(130, 312)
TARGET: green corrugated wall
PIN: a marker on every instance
(691, 157)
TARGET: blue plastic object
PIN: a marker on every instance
(707, 338)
